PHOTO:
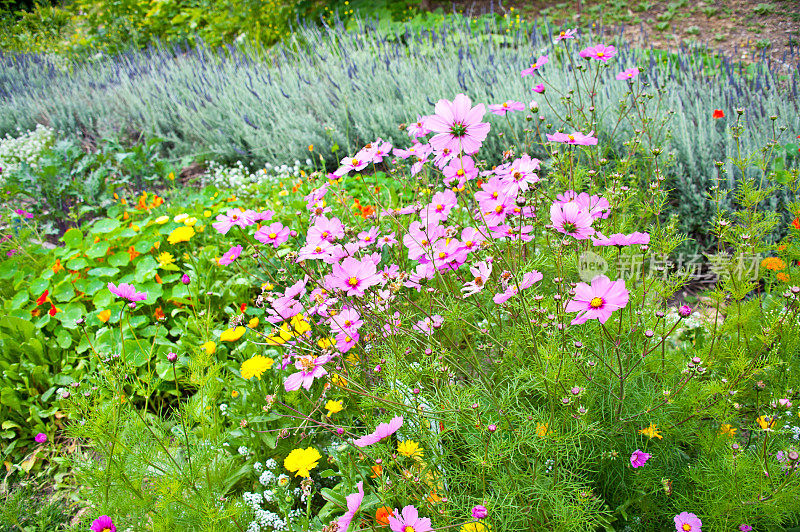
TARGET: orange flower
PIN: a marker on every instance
(133, 253)
(158, 279)
(159, 314)
(718, 113)
(57, 267)
(796, 223)
(773, 263)
(125, 215)
(382, 515)
(104, 315)
(242, 307)
(377, 471)
(35, 313)
(783, 276)
(42, 298)
(434, 498)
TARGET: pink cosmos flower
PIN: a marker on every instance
(471, 239)
(514, 288)
(629, 73)
(439, 208)
(369, 237)
(233, 217)
(383, 430)
(409, 521)
(348, 320)
(127, 291)
(353, 276)
(481, 272)
(417, 129)
(387, 240)
(318, 251)
(569, 219)
(23, 213)
(103, 524)
(420, 151)
(346, 340)
(576, 137)
(275, 234)
(40, 438)
(380, 149)
(231, 255)
(418, 240)
(598, 301)
(461, 169)
(618, 239)
(639, 458)
(458, 125)
(538, 88)
(520, 174)
(543, 60)
(508, 106)
(310, 367)
(566, 34)
(687, 522)
(357, 162)
(353, 504)
(599, 52)
(324, 229)
(429, 324)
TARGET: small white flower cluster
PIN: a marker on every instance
(240, 174)
(267, 478)
(270, 463)
(223, 409)
(243, 451)
(258, 467)
(26, 148)
(265, 518)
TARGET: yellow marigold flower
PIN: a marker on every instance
(300, 325)
(338, 380)
(283, 192)
(726, 429)
(207, 213)
(542, 429)
(234, 394)
(255, 366)
(231, 335)
(773, 263)
(333, 407)
(190, 221)
(651, 432)
(210, 347)
(325, 343)
(283, 336)
(410, 449)
(161, 220)
(302, 461)
(767, 422)
(165, 259)
(181, 217)
(135, 228)
(476, 526)
(253, 323)
(171, 175)
(180, 234)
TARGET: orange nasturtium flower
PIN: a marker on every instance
(104, 315)
(382, 515)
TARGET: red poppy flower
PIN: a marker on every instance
(52, 310)
(42, 298)
(718, 113)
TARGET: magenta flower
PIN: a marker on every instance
(353, 504)
(233, 217)
(458, 125)
(461, 169)
(417, 129)
(569, 219)
(745, 528)
(639, 458)
(599, 52)
(387, 240)
(439, 208)
(538, 88)
(566, 34)
(514, 288)
(629, 73)
(409, 521)
(687, 522)
(127, 291)
(23, 213)
(275, 234)
(618, 239)
(353, 276)
(358, 162)
(543, 60)
(41, 437)
(576, 137)
(103, 524)
(324, 229)
(480, 512)
(231, 255)
(598, 301)
(310, 367)
(509, 105)
(383, 430)
(185, 279)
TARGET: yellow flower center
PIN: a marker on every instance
(442, 255)
(439, 208)
(355, 161)
(571, 137)
(601, 54)
(325, 234)
(424, 242)
(535, 65)
(348, 323)
(409, 529)
(596, 302)
(686, 526)
(498, 209)
(308, 365)
(459, 172)
(505, 104)
(494, 195)
(468, 243)
(273, 235)
(562, 34)
(353, 281)
(317, 249)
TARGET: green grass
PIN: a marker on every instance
(28, 509)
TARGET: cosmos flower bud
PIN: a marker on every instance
(185, 279)
(480, 512)
(685, 311)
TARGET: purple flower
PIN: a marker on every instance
(127, 291)
(628, 74)
(575, 137)
(231, 255)
(639, 458)
(458, 125)
(103, 524)
(745, 528)
(41, 437)
(383, 430)
(687, 522)
(185, 279)
(172, 357)
(538, 88)
(480, 512)
(685, 311)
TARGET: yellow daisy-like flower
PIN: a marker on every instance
(181, 217)
(180, 234)
(767, 422)
(231, 335)
(135, 228)
(410, 449)
(338, 380)
(334, 406)
(651, 432)
(267, 286)
(542, 429)
(210, 347)
(161, 220)
(283, 336)
(165, 259)
(302, 461)
(325, 343)
(256, 366)
(300, 325)
(773, 263)
(207, 213)
(253, 323)
(476, 527)
(726, 429)
(234, 394)
(190, 221)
